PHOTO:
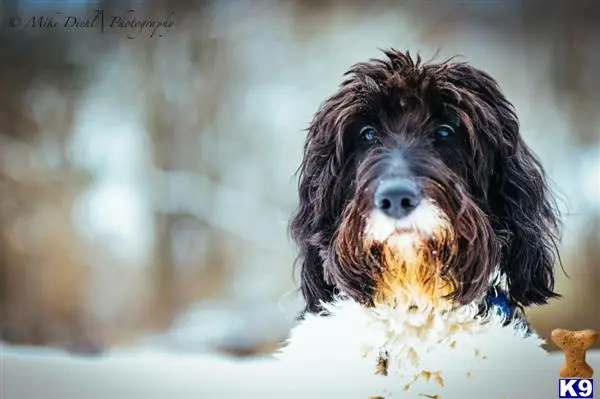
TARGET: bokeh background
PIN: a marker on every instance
(146, 180)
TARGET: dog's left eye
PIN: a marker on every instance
(368, 135)
(444, 131)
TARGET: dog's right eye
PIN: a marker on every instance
(368, 135)
(444, 132)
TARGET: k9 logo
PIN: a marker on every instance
(575, 388)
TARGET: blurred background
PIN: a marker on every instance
(147, 174)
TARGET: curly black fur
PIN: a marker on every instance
(485, 178)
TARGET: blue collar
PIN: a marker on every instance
(499, 301)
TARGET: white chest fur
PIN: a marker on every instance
(430, 353)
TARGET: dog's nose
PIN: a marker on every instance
(397, 197)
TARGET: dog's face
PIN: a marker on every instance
(416, 187)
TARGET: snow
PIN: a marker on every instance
(135, 374)
(147, 373)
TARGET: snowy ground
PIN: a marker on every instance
(27, 374)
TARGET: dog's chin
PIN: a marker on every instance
(407, 243)
(411, 262)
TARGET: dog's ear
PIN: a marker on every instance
(309, 223)
(522, 199)
(323, 188)
(305, 229)
(521, 202)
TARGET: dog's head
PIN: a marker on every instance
(417, 186)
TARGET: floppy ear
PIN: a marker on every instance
(322, 187)
(520, 199)
(309, 223)
(305, 226)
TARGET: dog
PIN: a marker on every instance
(425, 226)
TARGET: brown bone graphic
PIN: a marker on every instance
(574, 344)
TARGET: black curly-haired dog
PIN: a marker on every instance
(425, 225)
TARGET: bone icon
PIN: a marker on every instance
(574, 344)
